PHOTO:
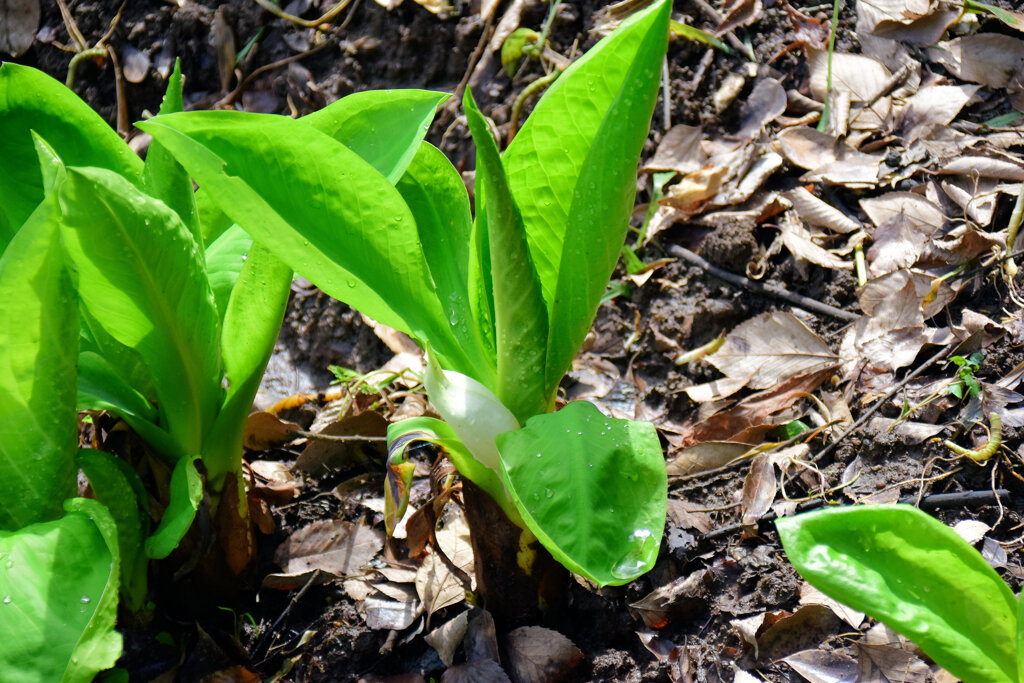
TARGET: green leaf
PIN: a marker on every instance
(384, 127)
(251, 325)
(141, 275)
(38, 349)
(439, 202)
(118, 487)
(58, 597)
(32, 101)
(406, 434)
(163, 177)
(186, 492)
(914, 574)
(225, 257)
(321, 209)
(572, 171)
(520, 324)
(592, 489)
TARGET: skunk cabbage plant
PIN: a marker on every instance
(500, 302)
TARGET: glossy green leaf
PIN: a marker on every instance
(405, 434)
(141, 275)
(32, 101)
(186, 492)
(58, 597)
(251, 325)
(116, 485)
(321, 209)
(592, 489)
(225, 257)
(163, 177)
(437, 197)
(572, 171)
(916, 575)
(520, 323)
(384, 127)
(38, 349)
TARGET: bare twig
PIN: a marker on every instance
(305, 23)
(862, 420)
(803, 302)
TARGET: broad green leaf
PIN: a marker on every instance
(124, 361)
(186, 492)
(32, 101)
(224, 259)
(384, 127)
(58, 597)
(592, 489)
(437, 197)
(163, 177)
(251, 325)
(405, 434)
(520, 323)
(38, 349)
(140, 273)
(321, 209)
(917, 576)
(572, 172)
(116, 485)
(100, 387)
(472, 410)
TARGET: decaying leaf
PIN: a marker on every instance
(823, 666)
(817, 212)
(387, 614)
(537, 655)
(864, 80)
(447, 637)
(682, 596)
(776, 634)
(679, 151)
(265, 430)
(921, 22)
(333, 548)
(19, 20)
(476, 671)
(800, 243)
(759, 489)
(881, 662)
(770, 349)
(992, 59)
(704, 456)
(436, 585)
(324, 455)
(809, 595)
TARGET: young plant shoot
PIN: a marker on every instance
(501, 303)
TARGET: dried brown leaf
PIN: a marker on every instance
(815, 211)
(436, 585)
(476, 671)
(446, 638)
(704, 456)
(538, 655)
(386, 614)
(863, 79)
(739, 13)
(809, 595)
(992, 59)
(19, 20)
(321, 456)
(679, 151)
(334, 547)
(823, 666)
(264, 431)
(799, 242)
(921, 22)
(772, 348)
(883, 663)
(759, 489)
(684, 595)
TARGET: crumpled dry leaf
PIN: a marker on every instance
(921, 22)
(537, 654)
(684, 595)
(930, 107)
(904, 222)
(766, 102)
(445, 639)
(772, 348)
(817, 212)
(265, 430)
(679, 151)
(704, 456)
(809, 595)
(992, 59)
(827, 159)
(386, 614)
(19, 20)
(437, 587)
(800, 243)
(334, 548)
(321, 455)
(863, 79)
(476, 671)
(823, 666)
(758, 493)
(884, 663)
(774, 634)
(749, 419)
(739, 13)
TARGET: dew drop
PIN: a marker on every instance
(539, 455)
(10, 563)
(548, 493)
(85, 599)
(7, 600)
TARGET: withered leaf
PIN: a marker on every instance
(539, 655)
